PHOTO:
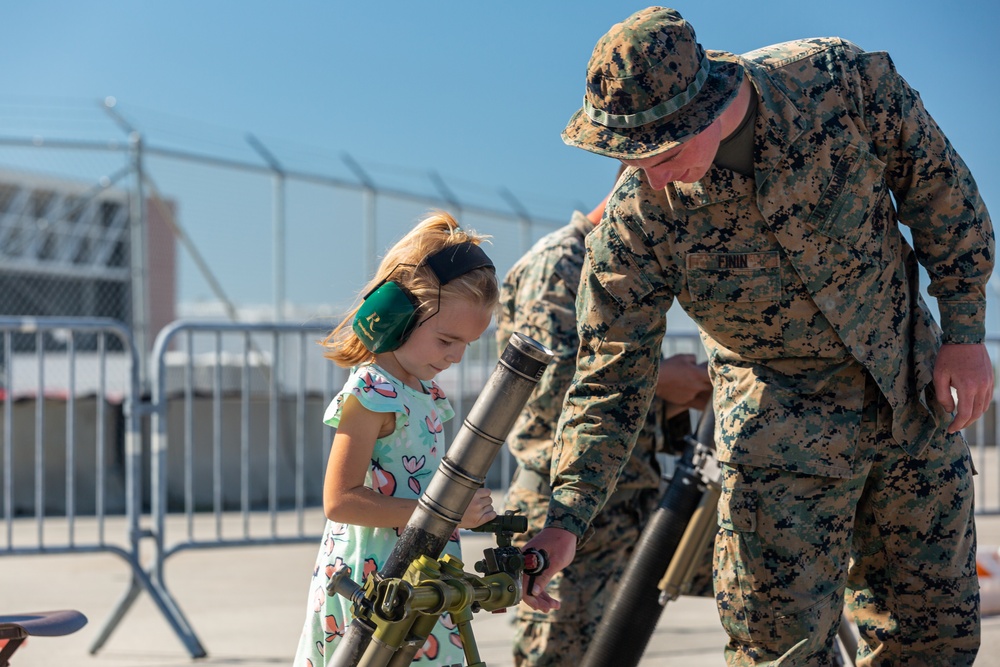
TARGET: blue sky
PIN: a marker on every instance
(475, 91)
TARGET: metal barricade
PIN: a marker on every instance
(64, 473)
(231, 432)
(237, 445)
(72, 449)
(983, 438)
(236, 442)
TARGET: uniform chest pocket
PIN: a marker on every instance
(855, 189)
(736, 299)
(734, 277)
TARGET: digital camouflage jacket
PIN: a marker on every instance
(538, 299)
(800, 278)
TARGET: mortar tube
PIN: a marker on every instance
(700, 531)
(462, 471)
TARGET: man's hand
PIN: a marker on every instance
(967, 368)
(560, 547)
(683, 382)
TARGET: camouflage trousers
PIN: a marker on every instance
(585, 587)
(561, 637)
(897, 541)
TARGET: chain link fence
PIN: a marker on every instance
(149, 220)
(64, 250)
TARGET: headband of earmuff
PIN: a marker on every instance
(388, 314)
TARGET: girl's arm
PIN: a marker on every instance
(346, 499)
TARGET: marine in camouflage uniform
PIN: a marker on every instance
(538, 299)
(840, 472)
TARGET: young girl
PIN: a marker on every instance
(433, 295)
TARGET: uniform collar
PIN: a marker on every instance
(783, 122)
(778, 125)
(581, 223)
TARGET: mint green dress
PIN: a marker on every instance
(402, 465)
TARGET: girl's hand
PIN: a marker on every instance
(479, 511)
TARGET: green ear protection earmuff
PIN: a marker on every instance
(388, 313)
(385, 318)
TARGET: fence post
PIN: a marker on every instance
(152, 581)
(523, 216)
(368, 196)
(278, 223)
(140, 274)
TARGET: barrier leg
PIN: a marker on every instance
(141, 580)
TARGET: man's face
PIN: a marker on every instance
(686, 163)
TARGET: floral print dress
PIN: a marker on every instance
(402, 465)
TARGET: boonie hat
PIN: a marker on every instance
(650, 87)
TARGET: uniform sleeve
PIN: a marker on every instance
(542, 304)
(936, 196)
(621, 325)
(548, 314)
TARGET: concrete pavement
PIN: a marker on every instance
(247, 605)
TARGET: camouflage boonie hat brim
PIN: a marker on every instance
(650, 87)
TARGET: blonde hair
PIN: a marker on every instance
(404, 265)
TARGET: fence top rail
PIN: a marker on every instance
(224, 326)
(34, 324)
(179, 327)
(366, 184)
